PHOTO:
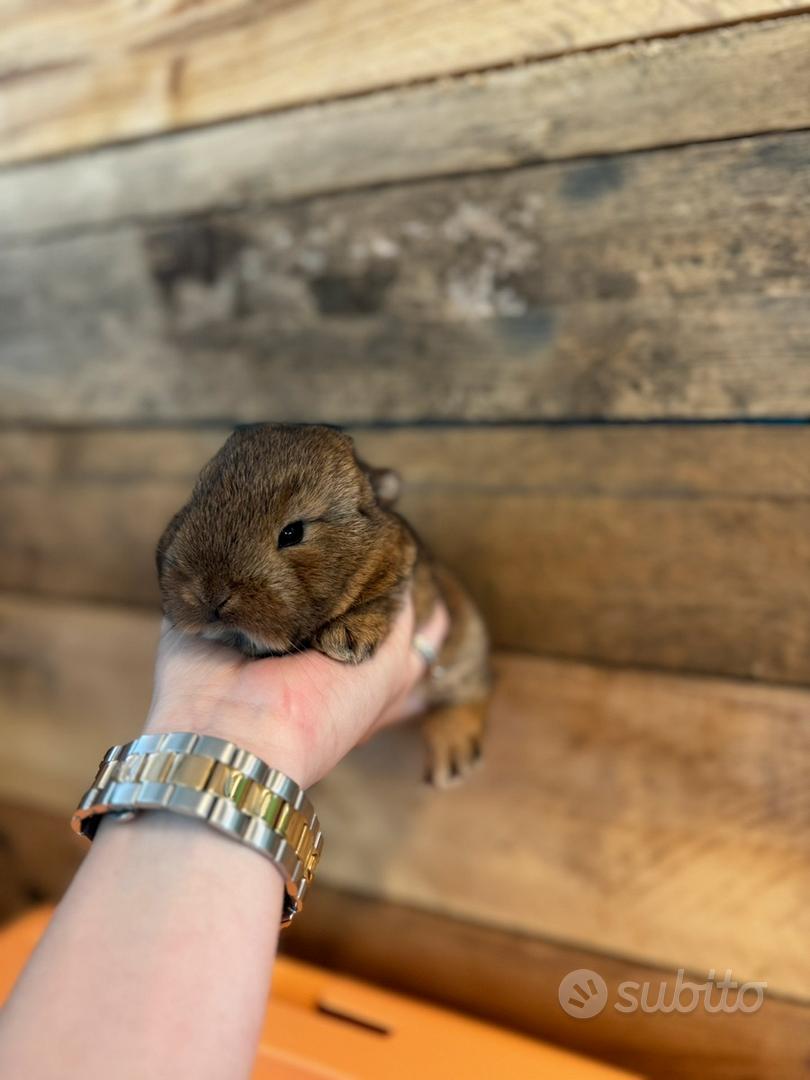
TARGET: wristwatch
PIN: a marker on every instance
(213, 780)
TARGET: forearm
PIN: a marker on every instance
(157, 962)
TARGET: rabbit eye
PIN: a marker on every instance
(291, 534)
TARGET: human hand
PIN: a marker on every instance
(300, 713)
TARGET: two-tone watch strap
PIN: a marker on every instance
(201, 776)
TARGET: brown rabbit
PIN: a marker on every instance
(289, 541)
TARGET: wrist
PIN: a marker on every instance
(277, 743)
(210, 778)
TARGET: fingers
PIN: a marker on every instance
(432, 633)
(333, 704)
(401, 632)
(410, 700)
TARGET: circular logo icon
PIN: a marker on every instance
(583, 993)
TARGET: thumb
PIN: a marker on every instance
(412, 699)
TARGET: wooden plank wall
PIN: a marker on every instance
(674, 547)
(111, 71)
(551, 265)
(653, 814)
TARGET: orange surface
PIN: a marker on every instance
(321, 1026)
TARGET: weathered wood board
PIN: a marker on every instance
(623, 287)
(657, 817)
(39, 854)
(513, 980)
(643, 815)
(747, 79)
(74, 677)
(681, 547)
(79, 75)
(505, 978)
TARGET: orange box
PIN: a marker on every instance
(321, 1026)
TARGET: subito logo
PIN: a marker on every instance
(583, 993)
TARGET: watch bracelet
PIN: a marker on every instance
(213, 780)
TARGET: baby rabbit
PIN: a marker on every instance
(289, 541)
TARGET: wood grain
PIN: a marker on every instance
(747, 79)
(100, 72)
(670, 547)
(39, 854)
(512, 979)
(658, 817)
(623, 287)
(74, 678)
(504, 978)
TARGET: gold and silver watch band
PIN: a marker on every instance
(211, 779)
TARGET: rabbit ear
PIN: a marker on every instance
(385, 483)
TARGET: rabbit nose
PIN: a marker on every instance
(216, 605)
